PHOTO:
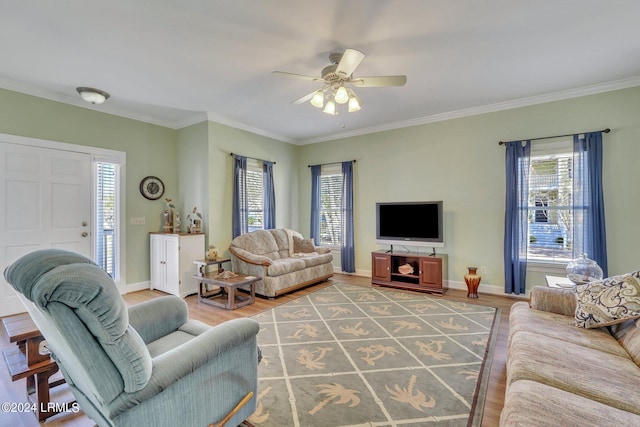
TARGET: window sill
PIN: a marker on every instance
(547, 267)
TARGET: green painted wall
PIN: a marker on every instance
(151, 150)
(224, 140)
(460, 162)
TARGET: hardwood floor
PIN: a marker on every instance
(15, 391)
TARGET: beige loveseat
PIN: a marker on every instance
(559, 374)
(282, 259)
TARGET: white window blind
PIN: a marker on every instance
(551, 210)
(255, 198)
(106, 211)
(330, 202)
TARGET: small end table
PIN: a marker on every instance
(559, 282)
(203, 289)
(25, 361)
(231, 300)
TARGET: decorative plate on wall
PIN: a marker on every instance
(152, 187)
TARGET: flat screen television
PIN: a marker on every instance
(409, 223)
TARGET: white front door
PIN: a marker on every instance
(45, 202)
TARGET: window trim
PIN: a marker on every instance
(543, 152)
(331, 169)
(117, 158)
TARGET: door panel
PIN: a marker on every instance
(45, 202)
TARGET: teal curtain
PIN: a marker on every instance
(516, 223)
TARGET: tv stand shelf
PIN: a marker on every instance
(429, 271)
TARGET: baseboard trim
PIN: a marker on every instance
(485, 288)
(134, 287)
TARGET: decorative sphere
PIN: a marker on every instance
(583, 270)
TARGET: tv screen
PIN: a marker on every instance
(411, 223)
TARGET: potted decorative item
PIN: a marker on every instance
(177, 226)
(472, 279)
(212, 253)
(583, 270)
(167, 216)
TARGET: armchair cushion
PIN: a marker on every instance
(158, 317)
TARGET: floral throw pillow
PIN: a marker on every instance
(608, 301)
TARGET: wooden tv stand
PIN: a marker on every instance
(429, 271)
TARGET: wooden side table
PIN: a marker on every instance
(559, 282)
(231, 300)
(204, 290)
(25, 361)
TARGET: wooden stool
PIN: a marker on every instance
(25, 361)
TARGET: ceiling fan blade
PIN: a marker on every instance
(351, 58)
(297, 76)
(379, 81)
(304, 98)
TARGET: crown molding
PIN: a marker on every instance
(490, 108)
(212, 117)
(199, 117)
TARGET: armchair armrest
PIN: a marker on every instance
(158, 317)
(554, 300)
(322, 250)
(185, 359)
(250, 258)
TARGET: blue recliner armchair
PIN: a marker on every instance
(147, 365)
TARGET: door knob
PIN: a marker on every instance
(85, 234)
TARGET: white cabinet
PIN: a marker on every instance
(172, 266)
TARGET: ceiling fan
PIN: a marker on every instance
(337, 80)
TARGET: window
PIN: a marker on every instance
(551, 202)
(107, 232)
(255, 195)
(330, 203)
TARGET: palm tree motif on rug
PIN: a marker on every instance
(348, 355)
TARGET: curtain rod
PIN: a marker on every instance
(607, 130)
(255, 158)
(332, 163)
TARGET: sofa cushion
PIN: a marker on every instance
(532, 404)
(629, 338)
(607, 302)
(523, 318)
(260, 242)
(596, 375)
(301, 245)
(317, 259)
(284, 266)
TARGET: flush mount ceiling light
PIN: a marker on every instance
(337, 77)
(92, 95)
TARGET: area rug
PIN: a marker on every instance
(357, 356)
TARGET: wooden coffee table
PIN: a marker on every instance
(227, 297)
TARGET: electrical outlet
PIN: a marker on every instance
(137, 220)
(483, 269)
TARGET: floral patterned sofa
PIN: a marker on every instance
(282, 259)
(574, 356)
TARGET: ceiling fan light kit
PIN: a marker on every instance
(92, 95)
(336, 77)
